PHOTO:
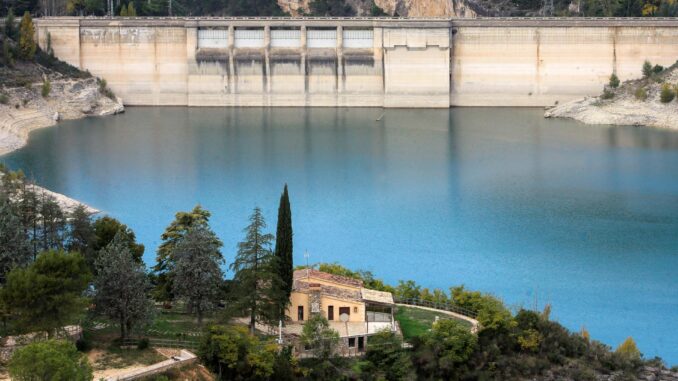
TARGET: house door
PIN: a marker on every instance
(361, 343)
(300, 313)
(330, 313)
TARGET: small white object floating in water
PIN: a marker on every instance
(381, 116)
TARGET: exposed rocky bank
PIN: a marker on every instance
(24, 109)
(636, 103)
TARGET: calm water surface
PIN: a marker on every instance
(536, 211)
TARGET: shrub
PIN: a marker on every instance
(647, 69)
(641, 93)
(614, 81)
(49, 360)
(657, 69)
(4, 99)
(667, 94)
(46, 88)
(103, 88)
(607, 94)
(629, 350)
(143, 344)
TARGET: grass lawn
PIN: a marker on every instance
(173, 325)
(417, 321)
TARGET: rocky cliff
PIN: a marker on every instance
(638, 102)
(402, 8)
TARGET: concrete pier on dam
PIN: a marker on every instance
(367, 62)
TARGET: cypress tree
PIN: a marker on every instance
(283, 251)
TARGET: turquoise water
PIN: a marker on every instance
(535, 211)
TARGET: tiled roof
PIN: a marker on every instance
(310, 273)
(376, 296)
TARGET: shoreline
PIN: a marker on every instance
(69, 99)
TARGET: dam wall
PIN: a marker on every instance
(370, 62)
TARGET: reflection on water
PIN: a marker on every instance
(533, 210)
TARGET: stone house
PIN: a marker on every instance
(352, 310)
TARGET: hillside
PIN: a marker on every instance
(398, 8)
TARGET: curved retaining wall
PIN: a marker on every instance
(373, 62)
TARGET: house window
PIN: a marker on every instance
(330, 312)
(351, 342)
(345, 310)
(355, 310)
(300, 313)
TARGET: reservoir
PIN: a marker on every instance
(535, 211)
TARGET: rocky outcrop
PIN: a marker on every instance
(634, 103)
(26, 110)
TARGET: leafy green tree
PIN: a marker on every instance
(81, 235)
(121, 286)
(27, 45)
(284, 260)
(15, 250)
(29, 207)
(407, 290)
(123, 11)
(443, 353)
(614, 81)
(106, 228)
(10, 26)
(318, 337)
(234, 354)
(175, 232)
(492, 314)
(255, 278)
(48, 294)
(647, 69)
(386, 359)
(53, 360)
(197, 272)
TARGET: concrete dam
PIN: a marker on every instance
(367, 62)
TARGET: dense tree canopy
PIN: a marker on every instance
(284, 257)
(48, 294)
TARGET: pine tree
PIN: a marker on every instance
(27, 45)
(283, 252)
(81, 236)
(14, 247)
(53, 224)
(123, 11)
(255, 278)
(122, 286)
(197, 272)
